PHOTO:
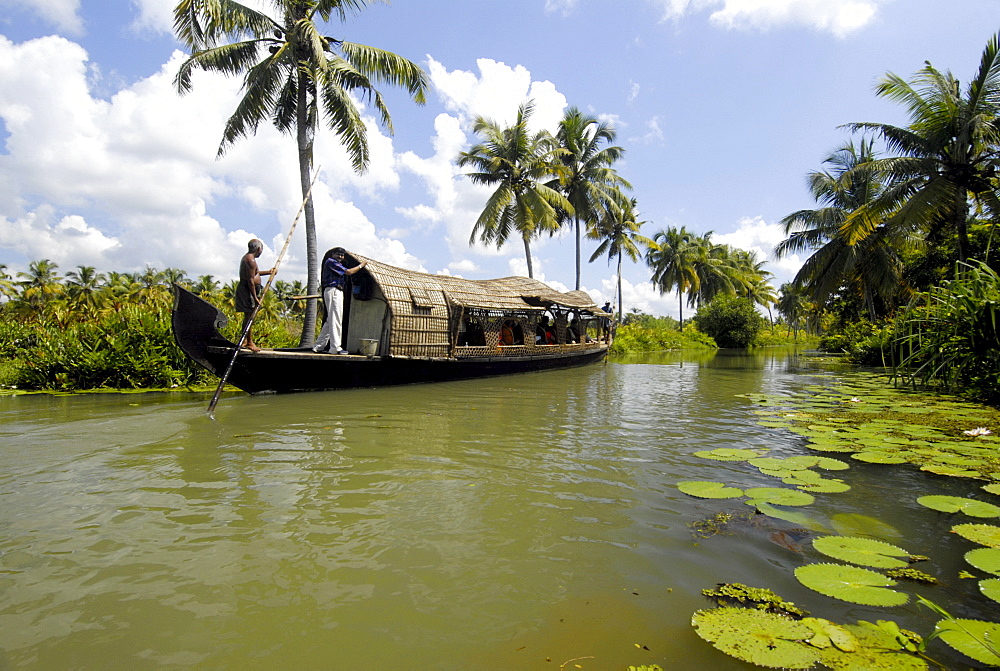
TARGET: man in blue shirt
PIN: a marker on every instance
(333, 278)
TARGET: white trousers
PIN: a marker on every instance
(330, 334)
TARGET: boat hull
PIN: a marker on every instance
(196, 325)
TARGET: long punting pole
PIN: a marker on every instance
(260, 302)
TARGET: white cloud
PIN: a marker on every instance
(838, 17)
(756, 235)
(564, 7)
(495, 92)
(63, 14)
(154, 15)
(131, 181)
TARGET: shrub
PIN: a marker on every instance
(731, 321)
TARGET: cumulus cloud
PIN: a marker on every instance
(132, 180)
(756, 235)
(838, 17)
(494, 92)
(62, 14)
(564, 7)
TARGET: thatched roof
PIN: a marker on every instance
(506, 293)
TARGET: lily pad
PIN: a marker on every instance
(985, 559)
(878, 457)
(792, 516)
(728, 454)
(993, 488)
(826, 486)
(975, 638)
(778, 496)
(709, 490)
(991, 588)
(855, 524)
(863, 551)
(757, 637)
(851, 583)
(954, 504)
(984, 534)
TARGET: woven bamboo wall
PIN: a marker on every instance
(426, 311)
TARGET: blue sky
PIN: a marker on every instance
(723, 107)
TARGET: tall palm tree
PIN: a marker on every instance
(946, 157)
(618, 232)
(206, 286)
(7, 286)
(518, 163)
(672, 259)
(588, 178)
(83, 286)
(294, 75)
(869, 265)
(40, 284)
(792, 304)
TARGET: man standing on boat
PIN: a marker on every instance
(249, 288)
(333, 278)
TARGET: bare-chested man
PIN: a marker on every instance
(249, 288)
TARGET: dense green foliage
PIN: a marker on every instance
(901, 213)
(296, 77)
(732, 321)
(948, 336)
(114, 333)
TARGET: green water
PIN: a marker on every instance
(510, 523)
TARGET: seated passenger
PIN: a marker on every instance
(544, 334)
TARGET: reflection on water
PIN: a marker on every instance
(509, 523)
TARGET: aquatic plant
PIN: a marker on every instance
(758, 597)
(911, 574)
(985, 559)
(709, 490)
(851, 583)
(770, 640)
(955, 504)
(863, 551)
(984, 534)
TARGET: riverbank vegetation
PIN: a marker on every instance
(91, 330)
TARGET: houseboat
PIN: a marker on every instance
(403, 327)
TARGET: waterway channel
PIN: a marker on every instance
(510, 523)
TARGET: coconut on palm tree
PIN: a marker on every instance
(518, 163)
(294, 76)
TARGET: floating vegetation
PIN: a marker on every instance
(722, 523)
(728, 454)
(851, 583)
(985, 559)
(872, 424)
(954, 504)
(709, 490)
(863, 551)
(984, 534)
(975, 638)
(728, 594)
(770, 640)
(990, 588)
(757, 637)
(911, 574)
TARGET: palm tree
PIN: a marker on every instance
(517, 162)
(83, 285)
(618, 232)
(672, 259)
(947, 156)
(206, 286)
(588, 180)
(293, 76)
(869, 265)
(40, 284)
(7, 286)
(792, 304)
